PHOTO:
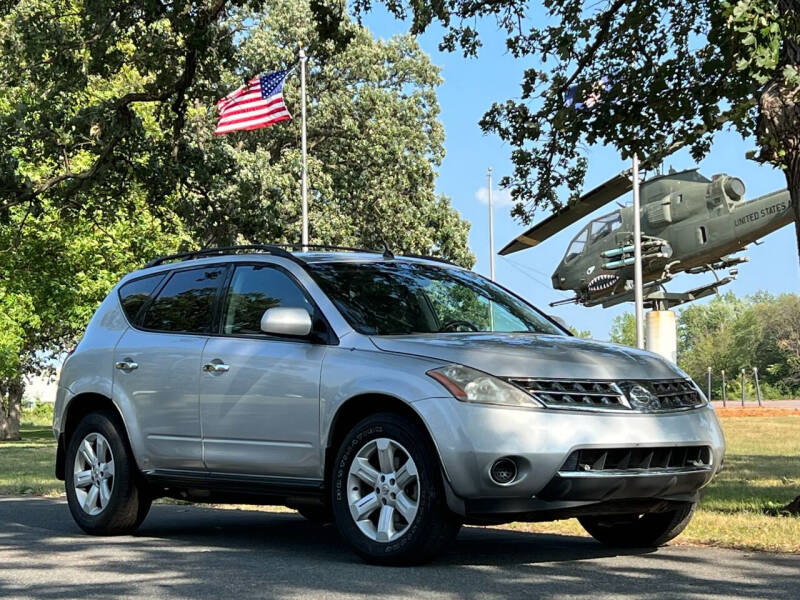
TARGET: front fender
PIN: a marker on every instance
(348, 372)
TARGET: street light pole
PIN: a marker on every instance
(637, 256)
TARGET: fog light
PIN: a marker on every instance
(503, 471)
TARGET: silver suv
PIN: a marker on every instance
(397, 396)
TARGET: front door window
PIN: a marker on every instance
(255, 289)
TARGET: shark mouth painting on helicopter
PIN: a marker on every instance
(603, 282)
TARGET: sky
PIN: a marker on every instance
(470, 86)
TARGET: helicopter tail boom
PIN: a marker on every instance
(758, 217)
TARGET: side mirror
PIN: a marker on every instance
(560, 321)
(286, 321)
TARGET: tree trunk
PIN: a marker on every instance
(778, 128)
(10, 409)
(792, 172)
(793, 507)
(781, 118)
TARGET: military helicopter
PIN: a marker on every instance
(689, 223)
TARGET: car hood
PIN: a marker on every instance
(534, 355)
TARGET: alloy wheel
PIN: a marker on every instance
(383, 490)
(93, 474)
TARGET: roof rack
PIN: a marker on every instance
(279, 250)
(433, 258)
(386, 252)
(275, 250)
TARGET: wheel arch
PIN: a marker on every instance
(78, 407)
(361, 406)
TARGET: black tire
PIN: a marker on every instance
(316, 514)
(434, 525)
(129, 501)
(639, 531)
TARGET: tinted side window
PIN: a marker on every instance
(186, 303)
(253, 290)
(134, 294)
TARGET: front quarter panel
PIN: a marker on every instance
(350, 372)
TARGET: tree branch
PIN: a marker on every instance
(603, 22)
(122, 107)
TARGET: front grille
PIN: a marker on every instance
(667, 395)
(677, 393)
(637, 459)
(574, 394)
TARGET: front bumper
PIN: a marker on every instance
(471, 437)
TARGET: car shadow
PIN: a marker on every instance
(208, 553)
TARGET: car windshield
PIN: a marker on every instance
(393, 298)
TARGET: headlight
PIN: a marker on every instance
(471, 385)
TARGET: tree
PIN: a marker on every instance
(709, 336)
(668, 74)
(623, 330)
(374, 144)
(122, 97)
(96, 93)
(99, 100)
(584, 334)
(93, 98)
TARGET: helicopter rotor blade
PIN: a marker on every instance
(586, 204)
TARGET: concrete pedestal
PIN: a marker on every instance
(661, 333)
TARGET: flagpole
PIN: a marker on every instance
(491, 247)
(304, 193)
(637, 256)
(491, 228)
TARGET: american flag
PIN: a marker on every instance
(259, 103)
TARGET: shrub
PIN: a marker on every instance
(39, 414)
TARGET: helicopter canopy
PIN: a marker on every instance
(592, 233)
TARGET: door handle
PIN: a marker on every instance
(216, 367)
(126, 365)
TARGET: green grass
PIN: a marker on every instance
(27, 465)
(762, 466)
(740, 509)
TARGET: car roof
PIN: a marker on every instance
(304, 259)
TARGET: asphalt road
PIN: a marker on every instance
(187, 551)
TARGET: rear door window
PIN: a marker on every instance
(186, 303)
(134, 294)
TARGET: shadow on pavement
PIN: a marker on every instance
(205, 553)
